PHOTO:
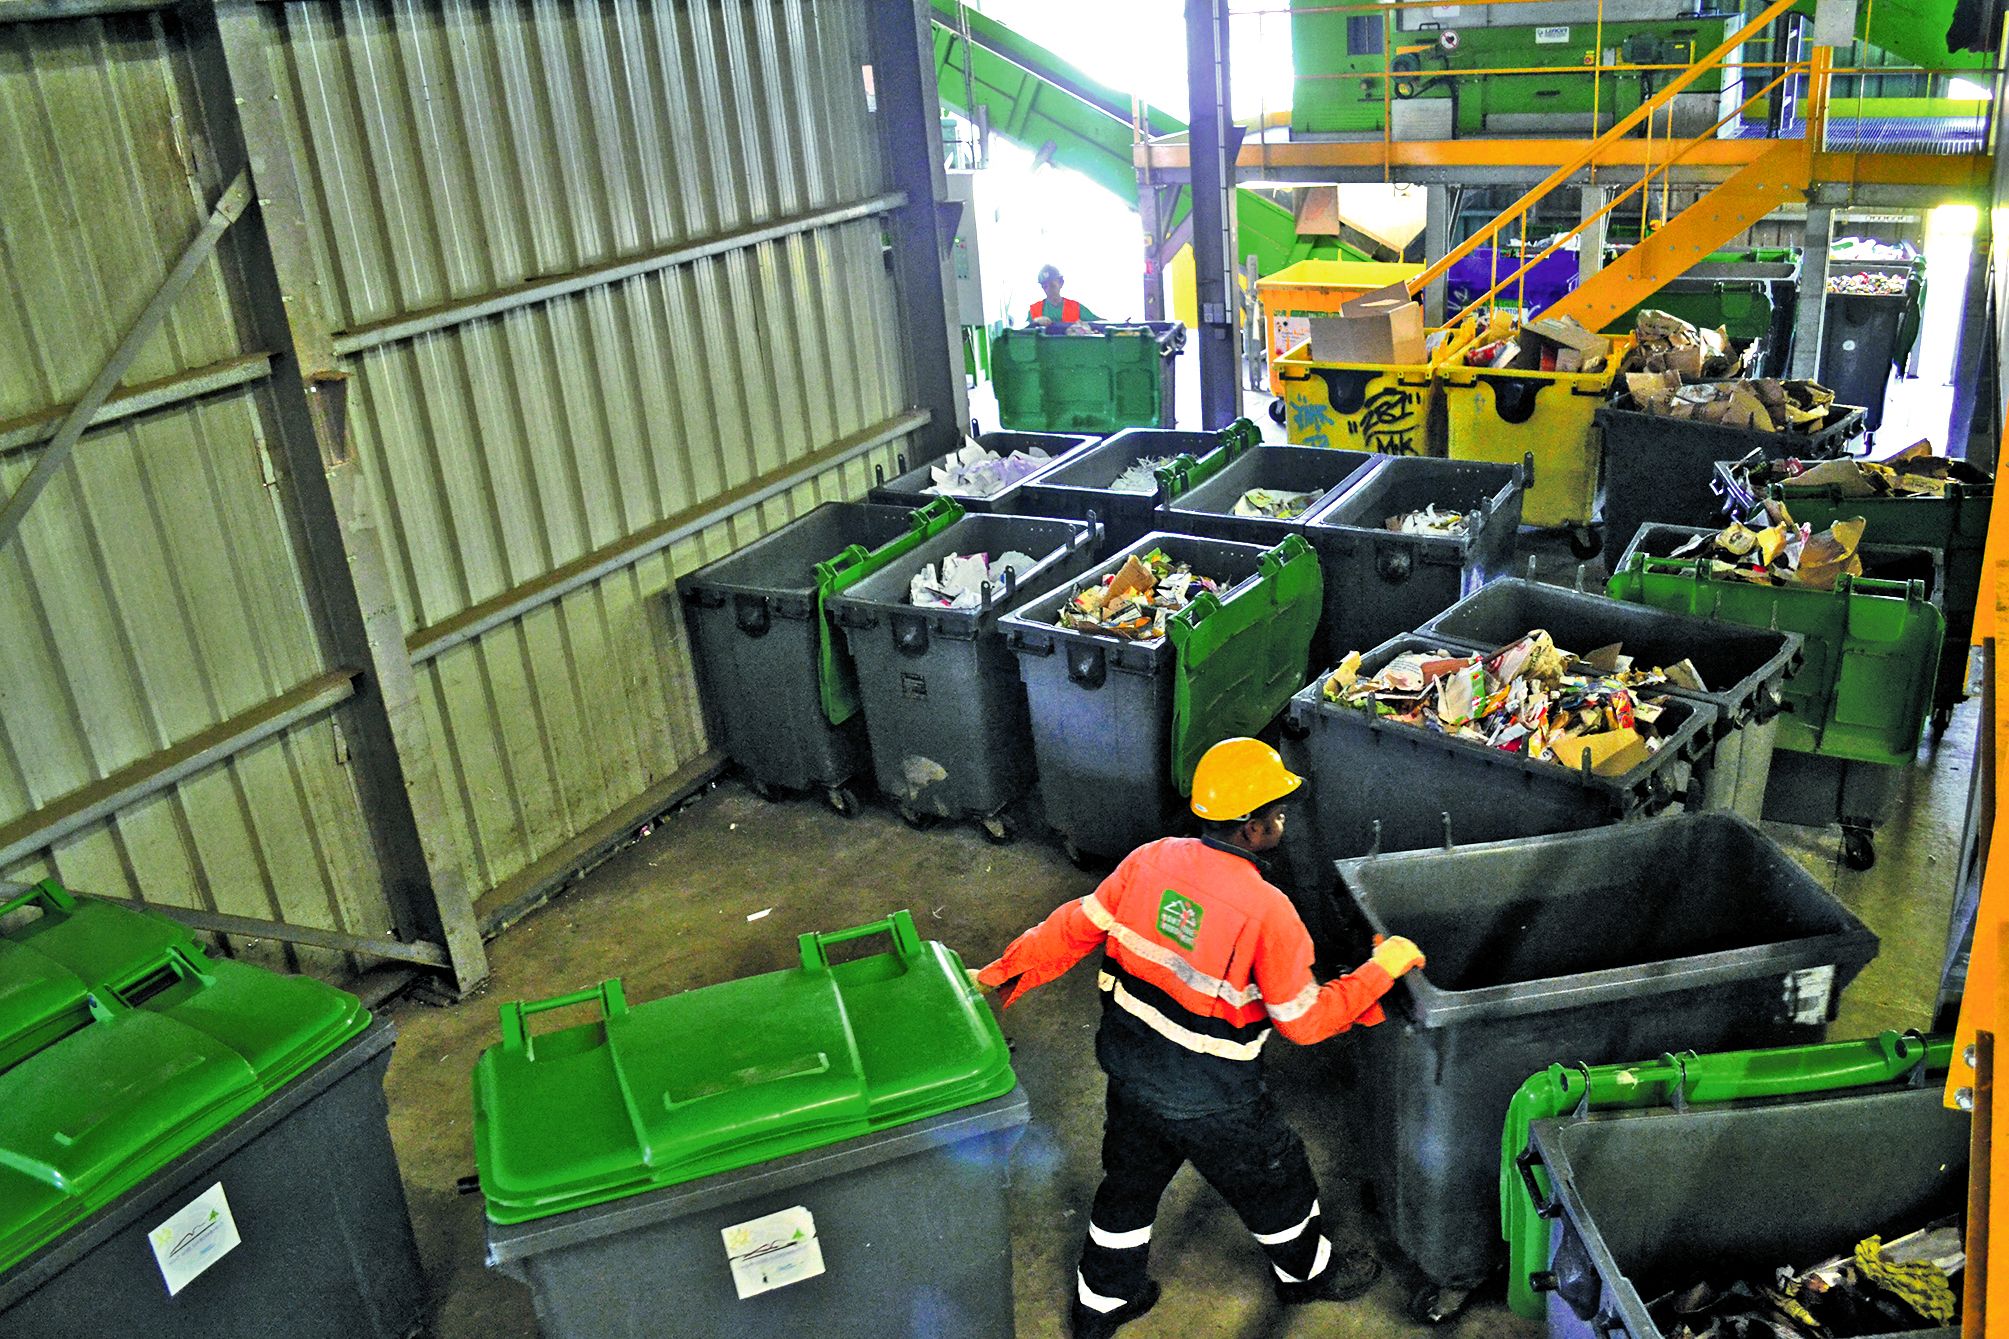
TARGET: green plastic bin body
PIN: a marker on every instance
(1956, 524)
(1118, 377)
(1870, 648)
(1693, 931)
(156, 1074)
(944, 706)
(1117, 727)
(776, 682)
(1678, 1082)
(870, 1099)
(1753, 1199)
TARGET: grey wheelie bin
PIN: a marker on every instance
(916, 487)
(1743, 671)
(1082, 487)
(1380, 583)
(775, 678)
(1691, 932)
(1756, 1194)
(1658, 468)
(1118, 725)
(944, 707)
(819, 1150)
(1378, 784)
(1207, 508)
(189, 1146)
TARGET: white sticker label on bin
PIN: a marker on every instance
(199, 1235)
(773, 1252)
(1551, 36)
(1808, 993)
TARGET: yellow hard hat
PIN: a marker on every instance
(1238, 777)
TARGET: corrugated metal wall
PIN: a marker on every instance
(449, 151)
(154, 591)
(448, 155)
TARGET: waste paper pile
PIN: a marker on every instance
(1135, 602)
(958, 580)
(975, 471)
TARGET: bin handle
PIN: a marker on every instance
(1527, 471)
(52, 897)
(910, 634)
(906, 940)
(749, 613)
(1087, 665)
(1524, 1162)
(516, 1037)
(183, 960)
(1393, 565)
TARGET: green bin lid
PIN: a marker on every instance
(162, 1060)
(48, 964)
(730, 1075)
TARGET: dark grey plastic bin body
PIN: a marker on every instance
(1859, 347)
(1664, 469)
(753, 622)
(914, 1226)
(1102, 707)
(1078, 488)
(944, 706)
(1812, 790)
(1693, 931)
(1362, 771)
(1743, 669)
(1379, 584)
(326, 1253)
(1208, 509)
(915, 487)
(1753, 1194)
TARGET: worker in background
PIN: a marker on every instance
(1202, 956)
(1053, 308)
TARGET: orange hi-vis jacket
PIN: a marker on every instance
(1070, 311)
(1200, 949)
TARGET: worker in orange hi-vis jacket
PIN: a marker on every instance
(1053, 309)
(1202, 957)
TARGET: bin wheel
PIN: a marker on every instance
(919, 822)
(1941, 718)
(994, 830)
(1585, 542)
(1432, 1305)
(1277, 409)
(1858, 848)
(773, 794)
(842, 800)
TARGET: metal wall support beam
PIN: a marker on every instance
(229, 205)
(50, 823)
(1973, 378)
(29, 430)
(403, 800)
(1436, 241)
(1590, 242)
(419, 954)
(410, 325)
(1213, 166)
(909, 114)
(1811, 319)
(1150, 218)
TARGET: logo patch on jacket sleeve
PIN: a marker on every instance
(1179, 919)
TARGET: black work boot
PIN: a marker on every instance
(1351, 1273)
(1091, 1324)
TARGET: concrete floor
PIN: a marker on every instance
(672, 912)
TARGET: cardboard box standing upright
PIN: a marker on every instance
(1384, 327)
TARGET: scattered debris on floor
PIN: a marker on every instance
(1878, 1288)
(1142, 476)
(1529, 697)
(1137, 599)
(976, 471)
(958, 581)
(1783, 553)
(1432, 520)
(1273, 504)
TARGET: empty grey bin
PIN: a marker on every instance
(944, 706)
(1690, 932)
(1749, 1195)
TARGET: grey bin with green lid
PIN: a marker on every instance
(854, 1118)
(155, 1075)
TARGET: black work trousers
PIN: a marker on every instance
(1248, 1154)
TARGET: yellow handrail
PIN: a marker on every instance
(1620, 128)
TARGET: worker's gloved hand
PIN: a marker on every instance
(976, 978)
(1042, 320)
(1395, 954)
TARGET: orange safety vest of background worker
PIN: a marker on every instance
(1201, 957)
(1053, 308)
